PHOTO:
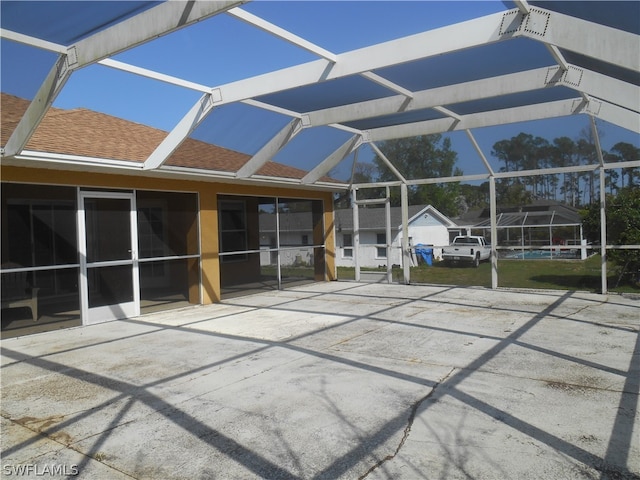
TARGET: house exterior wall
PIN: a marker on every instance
(433, 234)
(430, 233)
(208, 193)
(368, 253)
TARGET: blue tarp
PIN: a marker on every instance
(426, 252)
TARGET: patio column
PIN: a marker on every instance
(603, 232)
(406, 255)
(494, 232)
(356, 234)
(387, 212)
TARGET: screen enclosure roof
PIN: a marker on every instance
(303, 78)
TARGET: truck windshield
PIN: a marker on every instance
(466, 240)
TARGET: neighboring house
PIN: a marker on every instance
(426, 226)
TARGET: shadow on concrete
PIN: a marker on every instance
(613, 465)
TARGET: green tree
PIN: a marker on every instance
(362, 173)
(623, 228)
(626, 152)
(522, 152)
(423, 157)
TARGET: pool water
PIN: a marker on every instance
(540, 254)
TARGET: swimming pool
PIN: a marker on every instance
(541, 254)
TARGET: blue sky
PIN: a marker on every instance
(223, 49)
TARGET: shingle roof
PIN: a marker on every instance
(86, 133)
(539, 212)
(372, 218)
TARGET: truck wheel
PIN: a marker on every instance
(476, 261)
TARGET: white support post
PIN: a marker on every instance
(278, 259)
(494, 233)
(406, 254)
(355, 241)
(387, 211)
(603, 231)
(603, 213)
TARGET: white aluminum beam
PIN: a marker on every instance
(160, 20)
(144, 72)
(273, 108)
(32, 41)
(523, 6)
(541, 111)
(148, 25)
(187, 125)
(586, 38)
(461, 178)
(332, 160)
(616, 115)
(479, 151)
(281, 33)
(46, 94)
(447, 112)
(472, 33)
(595, 84)
(451, 94)
(374, 77)
(632, 164)
(272, 147)
(388, 163)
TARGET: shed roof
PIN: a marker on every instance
(375, 218)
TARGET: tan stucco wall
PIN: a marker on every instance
(207, 193)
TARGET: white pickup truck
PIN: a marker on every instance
(467, 249)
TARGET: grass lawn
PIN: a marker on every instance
(542, 274)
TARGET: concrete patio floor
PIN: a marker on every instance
(334, 380)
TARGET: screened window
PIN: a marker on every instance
(347, 245)
(381, 239)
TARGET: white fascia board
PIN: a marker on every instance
(64, 159)
(32, 41)
(286, 35)
(148, 25)
(180, 132)
(586, 38)
(451, 94)
(472, 33)
(483, 119)
(332, 160)
(44, 97)
(270, 149)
